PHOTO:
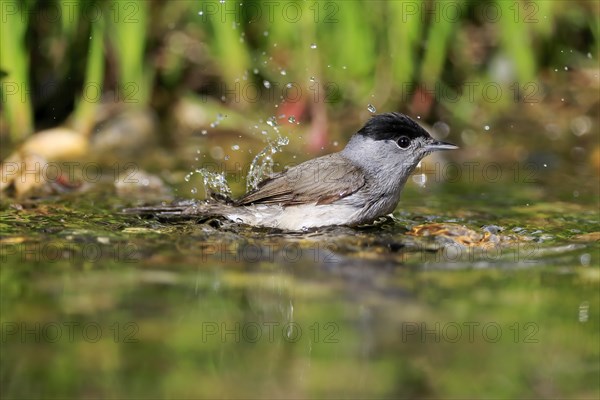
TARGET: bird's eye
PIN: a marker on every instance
(404, 142)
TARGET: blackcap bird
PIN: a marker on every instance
(352, 187)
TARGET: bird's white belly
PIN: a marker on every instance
(295, 218)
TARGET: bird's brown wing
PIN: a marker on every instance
(322, 180)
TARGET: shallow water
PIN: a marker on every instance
(500, 300)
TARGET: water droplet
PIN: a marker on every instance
(194, 190)
(267, 84)
(566, 68)
(314, 46)
(226, 158)
(312, 79)
(204, 131)
(255, 71)
(292, 120)
(335, 143)
(589, 55)
(222, 1)
(214, 183)
(235, 147)
(487, 127)
(271, 121)
(262, 164)
(200, 12)
(371, 108)
(545, 165)
(283, 72)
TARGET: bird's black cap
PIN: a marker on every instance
(390, 126)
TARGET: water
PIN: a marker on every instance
(262, 164)
(215, 183)
(475, 285)
(186, 308)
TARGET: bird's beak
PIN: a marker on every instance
(436, 145)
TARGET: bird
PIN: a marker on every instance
(354, 186)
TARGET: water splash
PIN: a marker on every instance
(272, 122)
(215, 184)
(262, 164)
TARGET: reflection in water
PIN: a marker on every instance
(213, 308)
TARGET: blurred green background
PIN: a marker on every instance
(469, 60)
(124, 75)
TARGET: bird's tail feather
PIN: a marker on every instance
(181, 209)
